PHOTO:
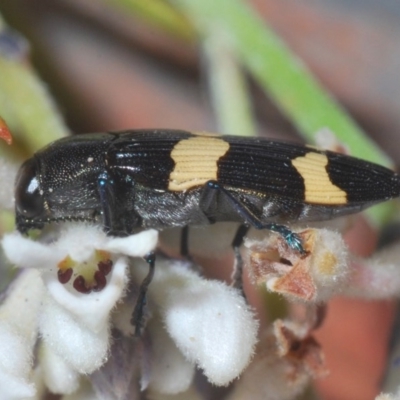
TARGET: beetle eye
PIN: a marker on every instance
(28, 199)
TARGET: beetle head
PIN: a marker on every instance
(59, 183)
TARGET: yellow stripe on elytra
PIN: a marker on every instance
(196, 161)
(318, 186)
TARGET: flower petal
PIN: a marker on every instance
(210, 322)
(59, 377)
(80, 240)
(171, 373)
(137, 245)
(24, 252)
(15, 387)
(83, 349)
(18, 333)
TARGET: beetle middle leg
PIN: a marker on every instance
(137, 319)
(291, 238)
(117, 220)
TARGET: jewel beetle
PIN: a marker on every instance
(169, 178)
(140, 179)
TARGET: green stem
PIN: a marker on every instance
(158, 13)
(228, 88)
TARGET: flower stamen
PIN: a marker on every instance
(80, 285)
(64, 276)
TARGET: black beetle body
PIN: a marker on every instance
(167, 178)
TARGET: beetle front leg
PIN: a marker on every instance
(107, 201)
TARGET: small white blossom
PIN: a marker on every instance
(209, 321)
(71, 319)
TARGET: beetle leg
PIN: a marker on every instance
(184, 245)
(137, 319)
(291, 238)
(237, 275)
(107, 200)
(115, 222)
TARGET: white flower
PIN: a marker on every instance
(209, 322)
(71, 319)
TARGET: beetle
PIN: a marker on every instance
(169, 178)
(140, 179)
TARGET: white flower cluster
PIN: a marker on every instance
(67, 315)
(65, 321)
